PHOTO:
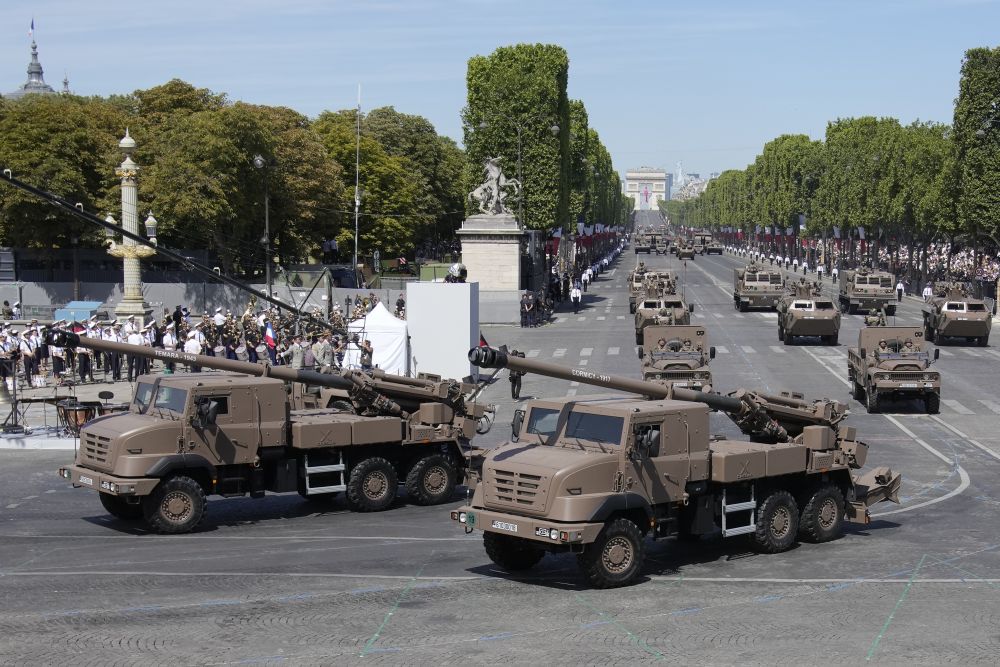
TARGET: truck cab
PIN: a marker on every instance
(893, 363)
(681, 361)
(866, 289)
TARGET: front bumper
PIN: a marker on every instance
(81, 477)
(871, 302)
(567, 534)
(760, 300)
(965, 328)
(916, 388)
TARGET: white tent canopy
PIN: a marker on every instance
(389, 338)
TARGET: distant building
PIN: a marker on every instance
(35, 85)
(647, 186)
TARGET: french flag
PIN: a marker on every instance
(269, 335)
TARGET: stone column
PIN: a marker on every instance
(131, 252)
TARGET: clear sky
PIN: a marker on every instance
(707, 83)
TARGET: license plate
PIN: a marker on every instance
(86, 480)
(680, 384)
(503, 525)
(909, 385)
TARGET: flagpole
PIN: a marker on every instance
(357, 191)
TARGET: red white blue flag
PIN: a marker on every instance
(269, 335)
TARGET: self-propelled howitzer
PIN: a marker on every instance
(596, 475)
(186, 436)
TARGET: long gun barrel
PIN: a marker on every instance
(751, 417)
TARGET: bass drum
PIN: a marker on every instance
(242, 354)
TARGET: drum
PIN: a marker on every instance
(220, 350)
(242, 354)
(74, 415)
(111, 408)
(261, 350)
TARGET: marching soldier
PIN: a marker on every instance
(515, 378)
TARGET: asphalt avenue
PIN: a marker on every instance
(282, 581)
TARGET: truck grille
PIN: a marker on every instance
(95, 449)
(903, 376)
(521, 491)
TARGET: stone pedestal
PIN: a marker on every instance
(491, 251)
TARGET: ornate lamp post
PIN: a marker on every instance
(131, 252)
(260, 163)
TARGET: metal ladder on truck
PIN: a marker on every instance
(325, 471)
(740, 506)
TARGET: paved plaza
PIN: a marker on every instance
(283, 581)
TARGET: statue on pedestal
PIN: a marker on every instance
(493, 193)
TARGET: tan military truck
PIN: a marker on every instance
(662, 244)
(867, 289)
(755, 286)
(714, 247)
(677, 356)
(893, 363)
(685, 250)
(191, 435)
(953, 313)
(635, 285)
(807, 313)
(595, 476)
(662, 309)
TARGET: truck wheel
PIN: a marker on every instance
(777, 523)
(431, 480)
(631, 308)
(511, 553)
(177, 505)
(118, 508)
(852, 309)
(984, 341)
(890, 310)
(871, 401)
(932, 403)
(372, 485)
(615, 557)
(788, 338)
(858, 392)
(744, 307)
(822, 518)
(638, 338)
(781, 332)
(929, 334)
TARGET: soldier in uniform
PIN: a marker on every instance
(661, 345)
(908, 346)
(883, 347)
(192, 346)
(686, 347)
(515, 378)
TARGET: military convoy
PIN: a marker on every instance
(661, 309)
(755, 286)
(595, 476)
(677, 356)
(953, 313)
(893, 363)
(805, 312)
(867, 289)
(191, 435)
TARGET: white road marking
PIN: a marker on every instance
(721, 349)
(971, 441)
(739, 315)
(586, 352)
(584, 362)
(532, 354)
(972, 353)
(993, 406)
(612, 351)
(29, 498)
(700, 316)
(561, 352)
(601, 317)
(574, 384)
(768, 316)
(946, 353)
(777, 349)
(581, 318)
(621, 317)
(993, 353)
(747, 349)
(12, 505)
(956, 406)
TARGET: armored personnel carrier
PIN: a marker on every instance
(191, 435)
(953, 313)
(713, 247)
(755, 286)
(596, 475)
(662, 244)
(635, 285)
(806, 312)
(677, 356)
(893, 363)
(643, 243)
(685, 250)
(663, 309)
(867, 289)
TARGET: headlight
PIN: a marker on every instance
(553, 534)
(65, 474)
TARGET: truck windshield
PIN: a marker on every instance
(606, 429)
(170, 398)
(542, 421)
(143, 395)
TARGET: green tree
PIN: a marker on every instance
(522, 86)
(977, 139)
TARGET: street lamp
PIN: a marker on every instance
(260, 163)
(519, 127)
(150, 224)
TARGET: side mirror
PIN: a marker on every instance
(515, 425)
(711, 352)
(937, 353)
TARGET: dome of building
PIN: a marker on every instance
(36, 80)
